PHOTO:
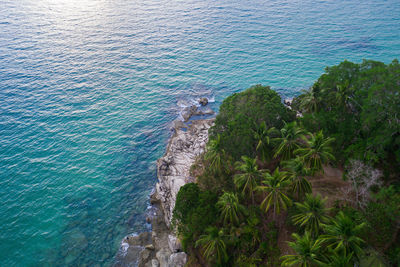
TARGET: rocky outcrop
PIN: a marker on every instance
(161, 247)
(188, 112)
(193, 110)
(173, 168)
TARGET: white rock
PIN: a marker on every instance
(174, 167)
(155, 263)
(163, 257)
(174, 243)
(177, 260)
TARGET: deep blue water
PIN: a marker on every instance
(88, 90)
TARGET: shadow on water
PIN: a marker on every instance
(332, 45)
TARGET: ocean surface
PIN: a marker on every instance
(88, 91)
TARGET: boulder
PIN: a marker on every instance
(174, 243)
(203, 101)
(208, 111)
(288, 101)
(155, 263)
(163, 257)
(177, 260)
(178, 125)
(144, 255)
(188, 112)
(138, 240)
(149, 247)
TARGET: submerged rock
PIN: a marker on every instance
(203, 101)
(188, 112)
(208, 111)
(178, 125)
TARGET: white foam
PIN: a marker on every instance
(124, 248)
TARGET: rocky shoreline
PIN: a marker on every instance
(161, 247)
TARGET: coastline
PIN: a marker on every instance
(161, 247)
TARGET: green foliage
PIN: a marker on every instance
(307, 251)
(216, 181)
(298, 173)
(275, 187)
(343, 235)
(245, 261)
(290, 140)
(251, 235)
(317, 152)
(339, 259)
(213, 245)
(264, 141)
(186, 200)
(249, 176)
(382, 215)
(351, 112)
(359, 106)
(372, 258)
(194, 211)
(311, 214)
(215, 154)
(241, 111)
(231, 209)
(309, 101)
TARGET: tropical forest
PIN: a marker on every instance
(310, 182)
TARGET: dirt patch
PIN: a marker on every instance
(330, 185)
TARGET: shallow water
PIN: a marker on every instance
(88, 90)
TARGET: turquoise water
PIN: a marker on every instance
(88, 90)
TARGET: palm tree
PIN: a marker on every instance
(213, 245)
(317, 152)
(307, 251)
(309, 101)
(343, 93)
(311, 213)
(215, 154)
(262, 135)
(231, 209)
(249, 176)
(252, 230)
(290, 140)
(342, 234)
(275, 187)
(339, 260)
(298, 172)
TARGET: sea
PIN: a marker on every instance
(89, 90)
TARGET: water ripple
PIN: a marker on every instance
(88, 90)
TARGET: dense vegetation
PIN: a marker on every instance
(262, 196)
(358, 105)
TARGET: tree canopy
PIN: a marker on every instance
(261, 158)
(241, 113)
